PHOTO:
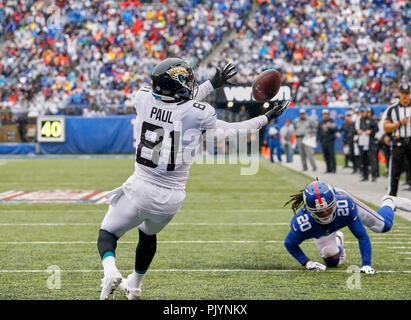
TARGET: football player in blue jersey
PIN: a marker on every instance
(325, 210)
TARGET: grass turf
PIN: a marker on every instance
(224, 243)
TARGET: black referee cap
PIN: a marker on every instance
(404, 88)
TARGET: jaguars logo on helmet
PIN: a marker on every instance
(173, 79)
(179, 74)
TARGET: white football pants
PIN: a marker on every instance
(151, 210)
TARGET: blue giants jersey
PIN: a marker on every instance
(304, 227)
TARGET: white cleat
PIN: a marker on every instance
(131, 293)
(400, 203)
(343, 255)
(109, 284)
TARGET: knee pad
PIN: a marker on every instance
(107, 242)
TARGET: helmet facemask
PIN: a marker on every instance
(189, 88)
(321, 217)
(322, 211)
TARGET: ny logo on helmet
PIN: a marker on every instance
(321, 205)
(178, 73)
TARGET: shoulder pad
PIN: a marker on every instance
(145, 89)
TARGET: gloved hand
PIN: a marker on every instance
(367, 270)
(220, 77)
(277, 110)
(315, 266)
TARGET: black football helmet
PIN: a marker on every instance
(173, 78)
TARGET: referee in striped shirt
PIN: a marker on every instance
(398, 124)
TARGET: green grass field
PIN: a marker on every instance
(225, 243)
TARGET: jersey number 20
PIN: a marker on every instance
(156, 146)
(304, 223)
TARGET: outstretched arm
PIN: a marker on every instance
(232, 128)
(219, 79)
(204, 90)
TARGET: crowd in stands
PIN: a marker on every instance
(333, 53)
(74, 56)
(87, 57)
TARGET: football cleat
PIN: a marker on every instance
(400, 203)
(343, 254)
(131, 293)
(109, 284)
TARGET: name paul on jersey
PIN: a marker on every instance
(161, 115)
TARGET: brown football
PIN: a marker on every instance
(266, 85)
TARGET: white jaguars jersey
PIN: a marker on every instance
(167, 135)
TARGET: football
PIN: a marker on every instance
(266, 85)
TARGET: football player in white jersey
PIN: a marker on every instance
(171, 119)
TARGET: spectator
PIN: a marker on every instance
(22, 122)
(287, 132)
(305, 130)
(243, 114)
(272, 140)
(348, 130)
(366, 128)
(326, 135)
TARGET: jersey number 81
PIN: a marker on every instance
(156, 146)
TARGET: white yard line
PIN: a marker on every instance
(202, 270)
(56, 210)
(386, 235)
(188, 242)
(250, 224)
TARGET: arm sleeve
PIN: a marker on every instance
(292, 244)
(253, 124)
(358, 230)
(208, 122)
(204, 90)
(225, 129)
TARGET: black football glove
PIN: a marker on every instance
(220, 78)
(277, 110)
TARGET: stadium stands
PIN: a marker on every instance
(330, 52)
(86, 57)
(90, 55)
